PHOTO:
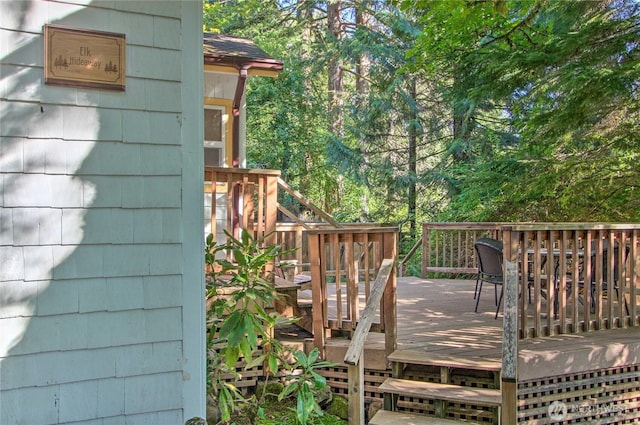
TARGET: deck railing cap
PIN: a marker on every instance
(243, 171)
(360, 229)
(522, 226)
(570, 226)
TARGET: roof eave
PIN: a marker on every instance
(246, 63)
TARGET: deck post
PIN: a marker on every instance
(316, 245)
(509, 373)
(389, 299)
(355, 392)
(426, 250)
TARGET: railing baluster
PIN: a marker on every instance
(437, 246)
(562, 280)
(551, 282)
(611, 239)
(316, 248)
(335, 253)
(575, 276)
(537, 297)
(622, 278)
(350, 280)
(367, 266)
(214, 185)
(261, 200)
(635, 277)
(523, 281)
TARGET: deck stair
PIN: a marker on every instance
(386, 417)
(463, 401)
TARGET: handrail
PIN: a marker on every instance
(354, 356)
(292, 216)
(409, 256)
(306, 202)
(368, 314)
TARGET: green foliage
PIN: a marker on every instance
(306, 384)
(339, 407)
(547, 99)
(523, 110)
(284, 413)
(359, 174)
(240, 325)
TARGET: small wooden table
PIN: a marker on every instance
(287, 305)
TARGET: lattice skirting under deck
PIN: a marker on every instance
(608, 396)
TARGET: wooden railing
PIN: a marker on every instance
(354, 357)
(447, 248)
(293, 240)
(251, 200)
(343, 265)
(575, 277)
(563, 271)
(307, 203)
(582, 260)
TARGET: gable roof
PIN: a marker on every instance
(238, 52)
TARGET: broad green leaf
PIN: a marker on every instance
(232, 355)
(246, 351)
(231, 323)
(313, 356)
(288, 390)
(273, 364)
(256, 361)
(319, 380)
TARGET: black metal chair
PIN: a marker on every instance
(490, 270)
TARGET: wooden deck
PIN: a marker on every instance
(437, 323)
(436, 316)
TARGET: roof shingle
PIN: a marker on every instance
(226, 49)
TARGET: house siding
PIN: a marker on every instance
(101, 278)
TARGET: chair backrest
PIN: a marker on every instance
(489, 252)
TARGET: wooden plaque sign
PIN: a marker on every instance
(84, 58)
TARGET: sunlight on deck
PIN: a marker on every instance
(438, 315)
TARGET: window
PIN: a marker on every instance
(215, 119)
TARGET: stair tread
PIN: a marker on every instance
(385, 417)
(436, 391)
(433, 359)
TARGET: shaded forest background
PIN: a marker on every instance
(460, 110)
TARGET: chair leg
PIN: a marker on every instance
(624, 301)
(495, 294)
(475, 292)
(499, 302)
(478, 297)
(626, 306)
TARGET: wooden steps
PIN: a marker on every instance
(449, 361)
(447, 392)
(449, 400)
(385, 417)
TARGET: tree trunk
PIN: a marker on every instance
(363, 65)
(413, 163)
(334, 85)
